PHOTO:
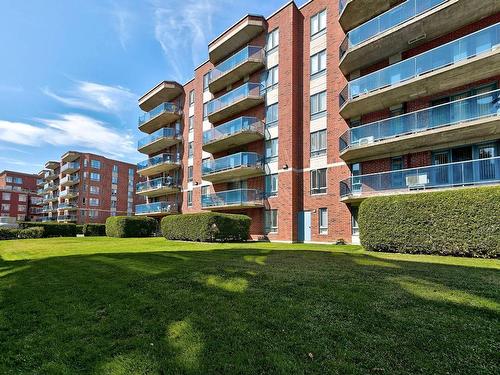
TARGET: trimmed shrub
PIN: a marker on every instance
(463, 222)
(94, 230)
(130, 226)
(35, 232)
(79, 229)
(206, 227)
(52, 229)
(8, 233)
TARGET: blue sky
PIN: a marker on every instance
(71, 71)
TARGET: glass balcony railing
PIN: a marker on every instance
(66, 218)
(247, 53)
(392, 18)
(163, 107)
(70, 178)
(241, 159)
(47, 219)
(68, 192)
(448, 114)
(238, 197)
(472, 172)
(158, 183)
(478, 43)
(162, 133)
(244, 91)
(239, 125)
(156, 208)
(71, 165)
(157, 160)
(67, 206)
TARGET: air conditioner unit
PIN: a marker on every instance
(365, 140)
(417, 181)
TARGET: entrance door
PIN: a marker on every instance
(304, 222)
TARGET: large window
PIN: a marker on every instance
(318, 63)
(191, 97)
(318, 143)
(95, 176)
(191, 123)
(6, 207)
(272, 150)
(273, 39)
(21, 208)
(272, 78)
(190, 150)
(318, 181)
(272, 115)
(318, 24)
(323, 220)
(96, 164)
(115, 169)
(205, 111)
(23, 198)
(190, 198)
(94, 189)
(114, 180)
(206, 81)
(271, 221)
(6, 196)
(93, 202)
(271, 185)
(318, 105)
(190, 173)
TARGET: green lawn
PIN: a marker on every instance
(149, 306)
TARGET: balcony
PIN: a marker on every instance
(40, 182)
(51, 198)
(158, 164)
(156, 209)
(48, 209)
(47, 219)
(236, 37)
(241, 64)
(476, 118)
(159, 140)
(50, 188)
(68, 206)
(240, 99)
(70, 156)
(157, 118)
(163, 92)
(69, 193)
(444, 176)
(468, 59)
(69, 168)
(52, 165)
(234, 167)
(234, 133)
(70, 180)
(158, 186)
(355, 12)
(233, 200)
(66, 218)
(51, 176)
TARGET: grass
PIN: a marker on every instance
(149, 306)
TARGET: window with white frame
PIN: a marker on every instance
(272, 78)
(206, 81)
(95, 176)
(318, 63)
(190, 198)
(191, 123)
(114, 180)
(318, 143)
(271, 185)
(273, 40)
(96, 164)
(94, 189)
(190, 173)
(94, 202)
(5, 207)
(115, 168)
(272, 115)
(6, 196)
(205, 111)
(93, 214)
(21, 208)
(9, 179)
(190, 149)
(131, 172)
(271, 221)
(22, 198)
(323, 220)
(191, 97)
(271, 150)
(318, 181)
(318, 24)
(318, 105)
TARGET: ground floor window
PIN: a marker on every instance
(323, 221)
(271, 221)
(354, 221)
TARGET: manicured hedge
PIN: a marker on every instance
(8, 233)
(131, 226)
(206, 227)
(52, 229)
(94, 230)
(12, 234)
(464, 222)
(79, 229)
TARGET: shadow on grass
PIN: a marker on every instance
(242, 311)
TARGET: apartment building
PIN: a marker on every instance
(18, 198)
(87, 188)
(297, 117)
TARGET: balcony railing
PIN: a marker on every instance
(156, 208)
(247, 53)
(467, 173)
(226, 163)
(67, 206)
(158, 160)
(68, 193)
(236, 126)
(158, 183)
(47, 219)
(244, 91)
(238, 197)
(478, 43)
(448, 114)
(400, 14)
(163, 107)
(162, 133)
(66, 218)
(70, 166)
(70, 179)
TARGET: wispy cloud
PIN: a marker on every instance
(122, 18)
(69, 130)
(95, 97)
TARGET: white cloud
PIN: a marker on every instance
(95, 97)
(122, 19)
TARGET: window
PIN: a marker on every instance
(94, 189)
(190, 150)
(6, 196)
(9, 179)
(318, 63)
(191, 123)
(191, 97)
(6, 207)
(113, 204)
(93, 214)
(205, 111)
(271, 185)
(93, 202)
(272, 150)
(21, 208)
(96, 164)
(114, 180)
(85, 163)
(318, 105)
(190, 198)
(271, 221)
(273, 39)
(272, 115)
(23, 198)
(318, 181)
(95, 176)
(323, 221)
(272, 78)
(190, 173)
(18, 180)
(131, 172)
(318, 24)
(318, 143)
(206, 81)
(204, 191)
(114, 192)
(115, 169)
